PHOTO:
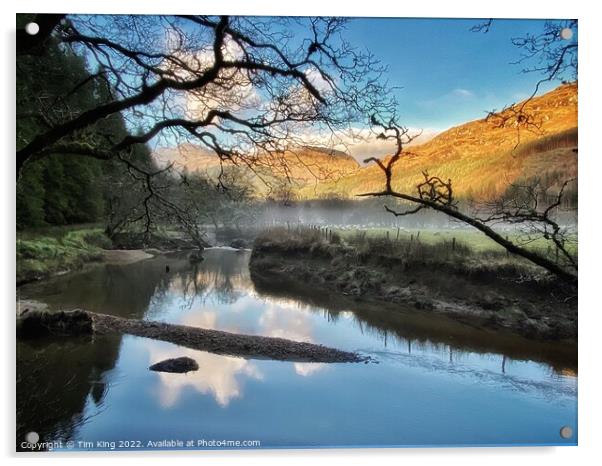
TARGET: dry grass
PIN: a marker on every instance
(564, 139)
(362, 248)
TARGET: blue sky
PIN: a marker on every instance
(449, 74)
(446, 74)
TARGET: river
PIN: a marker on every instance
(436, 382)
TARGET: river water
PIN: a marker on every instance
(436, 382)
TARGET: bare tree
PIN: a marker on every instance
(529, 206)
(242, 87)
(283, 194)
(526, 209)
(203, 204)
(248, 89)
(533, 208)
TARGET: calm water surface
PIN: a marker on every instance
(437, 382)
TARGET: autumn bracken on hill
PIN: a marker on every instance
(482, 158)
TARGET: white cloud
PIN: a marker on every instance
(453, 98)
(218, 376)
(293, 325)
(306, 369)
(462, 92)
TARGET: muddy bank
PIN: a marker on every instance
(125, 256)
(103, 256)
(34, 324)
(415, 327)
(480, 297)
(44, 254)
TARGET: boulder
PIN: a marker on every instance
(176, 365)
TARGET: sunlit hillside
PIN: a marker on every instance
(482, 158)
(307, 166)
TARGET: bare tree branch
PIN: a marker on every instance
(436, 194)
(238, 86)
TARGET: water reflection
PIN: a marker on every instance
(218, 376)
(90, 387)
(55, 379)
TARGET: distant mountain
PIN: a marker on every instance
(482, 158)
(303, 167)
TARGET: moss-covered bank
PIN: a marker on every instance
(43, 253)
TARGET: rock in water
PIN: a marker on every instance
(177, 365)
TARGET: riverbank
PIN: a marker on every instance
(44, 253)
(483, 290)
(41, 254)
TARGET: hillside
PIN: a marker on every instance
(480, 157)
(305, 166)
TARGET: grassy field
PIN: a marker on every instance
(413, 250)
(461, 239)
(43, 252)
(463, 252)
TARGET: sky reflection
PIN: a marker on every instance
(436, 386)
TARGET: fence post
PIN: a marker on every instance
(454, 243)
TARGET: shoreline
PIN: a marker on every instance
(105, 256)
(127, 256)
(482, 299)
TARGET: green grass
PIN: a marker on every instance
(41, 253)
(372, 247)
(475, 240)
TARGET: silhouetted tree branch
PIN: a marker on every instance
(241, 87)
(434, 193)
(547, 54)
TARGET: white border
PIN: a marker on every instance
(590, 167)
